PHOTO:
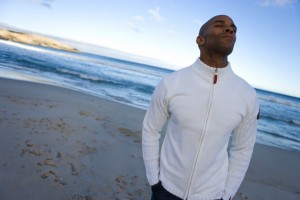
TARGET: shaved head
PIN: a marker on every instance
(216, 38)
(211, 20)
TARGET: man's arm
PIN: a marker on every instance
(241, 148)
(153, 123)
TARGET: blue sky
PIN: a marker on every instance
(266, 53)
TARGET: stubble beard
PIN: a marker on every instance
(222, 50)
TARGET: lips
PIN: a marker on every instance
(228, 37)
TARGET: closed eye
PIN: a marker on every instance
(234, 28)
(221, 23)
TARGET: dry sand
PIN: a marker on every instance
(61, 144)
(28, 38)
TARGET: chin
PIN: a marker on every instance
(227, 50)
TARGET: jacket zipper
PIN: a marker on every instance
(215, 79)
(216, 76)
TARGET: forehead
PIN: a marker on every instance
(221, 19)
(217, 19)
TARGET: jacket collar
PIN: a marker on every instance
(208, 72)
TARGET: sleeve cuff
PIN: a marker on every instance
(153, 180)
(226, 196)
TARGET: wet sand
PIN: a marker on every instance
(57, 143)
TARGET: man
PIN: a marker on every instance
(206, 106)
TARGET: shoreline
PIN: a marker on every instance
(34, 39)
(58, 143)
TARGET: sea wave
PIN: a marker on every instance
(278, 118)
(147, 89)
(278, 135)
(83, 59)
(25, 46)
(133, 83)
(144, 88)
(125, 66)
(295, 122)
(279, 100)
(265, 139)
(78, 74)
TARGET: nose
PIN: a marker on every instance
(229, 29)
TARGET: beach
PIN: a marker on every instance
(62, 144)
(34, 39)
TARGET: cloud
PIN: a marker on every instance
(267, 3)
(139, 19)
(133, 27)
(44, 3)
(155, 14)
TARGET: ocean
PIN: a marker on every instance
(132, 83)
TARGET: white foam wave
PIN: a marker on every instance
(296, 122)
(24, 46)
(38, 49)
(280, 101)
(83, 76)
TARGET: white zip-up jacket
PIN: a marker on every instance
(204, 106)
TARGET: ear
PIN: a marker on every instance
(200, 40)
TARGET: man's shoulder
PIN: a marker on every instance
(179, 74)
(245, 87)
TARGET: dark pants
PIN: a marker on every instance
(160, 193)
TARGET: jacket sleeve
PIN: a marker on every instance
(153, 123)
(241, 148)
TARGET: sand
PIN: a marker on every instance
(61, 144)
(33, 39)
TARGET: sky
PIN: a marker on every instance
(266, 52)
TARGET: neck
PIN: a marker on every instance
(215, 61)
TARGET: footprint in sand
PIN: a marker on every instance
(34, 152)
(85, 149)
(85, 113)
(74, 169)
(52, 106)
(48, 162)
(81, 197)
(121, 182)
(134, 134)
(56, 179)
(242, 196)
(29, 143)
(88, 114)
(31, 150)
(124, 184)
(124, 181)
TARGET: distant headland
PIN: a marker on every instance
(28, 38)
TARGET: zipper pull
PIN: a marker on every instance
(216, 76)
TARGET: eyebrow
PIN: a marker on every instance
(223, 22)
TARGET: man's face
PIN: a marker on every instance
(219, 35)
